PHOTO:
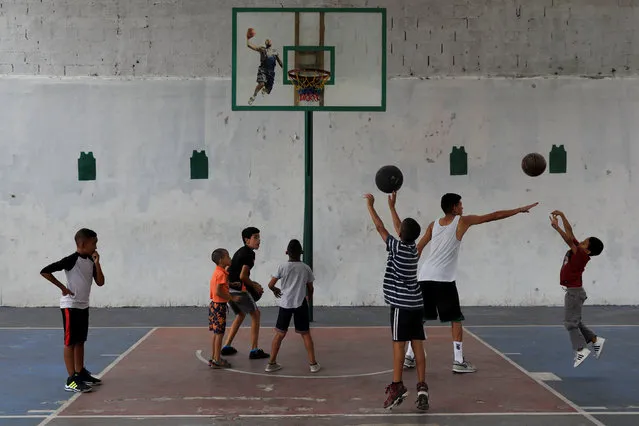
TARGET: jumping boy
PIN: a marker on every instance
(574, 264)
(402, 293)
(296, 281)
(219, 293)
(240, 272)
(438, 273)
(80, 268)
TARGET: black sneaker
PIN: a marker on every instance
(74, 384)
(87, 378)
(258, 354)
(228, 350)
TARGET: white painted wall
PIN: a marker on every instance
(157, 227)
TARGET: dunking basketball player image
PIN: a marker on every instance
(438, 273)
(269, 58)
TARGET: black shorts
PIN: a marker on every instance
(406, 324)
(300, 319)
(76, 325)
(441, 299)
(246, 304)
(266, 77)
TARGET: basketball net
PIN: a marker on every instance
(309, 84)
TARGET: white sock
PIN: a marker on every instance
(409, 351)
(459, 354)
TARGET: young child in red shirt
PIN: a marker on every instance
(570, 277)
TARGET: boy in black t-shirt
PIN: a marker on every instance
(240, 271)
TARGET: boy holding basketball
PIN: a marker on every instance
(219, 293)
(296, 282)
(80, 268)
(241, 283)
(570, 277)
(402, 293)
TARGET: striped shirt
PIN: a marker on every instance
(401, 289)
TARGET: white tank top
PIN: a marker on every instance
(441, 263)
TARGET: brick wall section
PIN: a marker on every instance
(192, 38)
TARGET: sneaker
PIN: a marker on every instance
(315, 367)
(86, 377)
(422, 396)
(222, 363)
(258, 354)
(74, 384)
(463, 367)
(409, 362)
(251, 100)
(598, 346)
(272, 367)
(396, 392)
(580, 356)
(228, 350)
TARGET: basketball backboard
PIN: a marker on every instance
(345, 48)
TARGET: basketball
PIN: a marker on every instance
(389, 179)
(533, 164)
(250, 33)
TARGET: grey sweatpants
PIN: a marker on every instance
(580, 335)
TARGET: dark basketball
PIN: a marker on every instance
(533, 164)
(389, 179)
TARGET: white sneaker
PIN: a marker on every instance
(272, 367)
(251, 100)
(580, 356)
(409, 362)
(598, 346)
(463, 367)
(315, 367)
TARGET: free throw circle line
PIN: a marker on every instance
(199, 356)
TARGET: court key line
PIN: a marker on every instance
(199, 356)
(102, 373)
(587, 415)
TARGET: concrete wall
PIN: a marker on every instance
(157, 227)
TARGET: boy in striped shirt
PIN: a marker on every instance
(404, 296)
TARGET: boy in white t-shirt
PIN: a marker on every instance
(297, 279)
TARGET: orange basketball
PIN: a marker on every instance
(250, 33)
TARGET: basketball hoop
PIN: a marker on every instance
(309, 83)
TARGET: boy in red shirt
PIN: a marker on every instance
(570, 277)
(219, 292)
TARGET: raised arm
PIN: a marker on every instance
(397, 222)
(379, 225)
(423, 242)
(471, 220)
(567, 227)
(252, 46)
(570, 241)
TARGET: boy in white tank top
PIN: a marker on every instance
(438, 273)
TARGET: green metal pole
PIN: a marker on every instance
(308, 196)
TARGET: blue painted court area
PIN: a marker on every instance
(605, 384)
(33, 371)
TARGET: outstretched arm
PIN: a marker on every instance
(379, 225)
(498, 215)
(397, 222)
(567, 238)
(423, 242)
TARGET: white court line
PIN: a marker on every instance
(595, 408)
(353, 415)
(541, 383)
(102, 373)
(40, 411)
(512, 353)
(199, 356)
(35, 416)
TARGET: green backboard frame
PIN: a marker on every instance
(286, 49)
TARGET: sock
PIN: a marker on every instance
(459, 354)
(409, 351)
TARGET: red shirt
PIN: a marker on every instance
(573, 267)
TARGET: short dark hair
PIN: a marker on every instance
(595, 246)
(449, 201)
(294, 248)
(409, 230)
(218, 254)
(247, 233)
(85, 234)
